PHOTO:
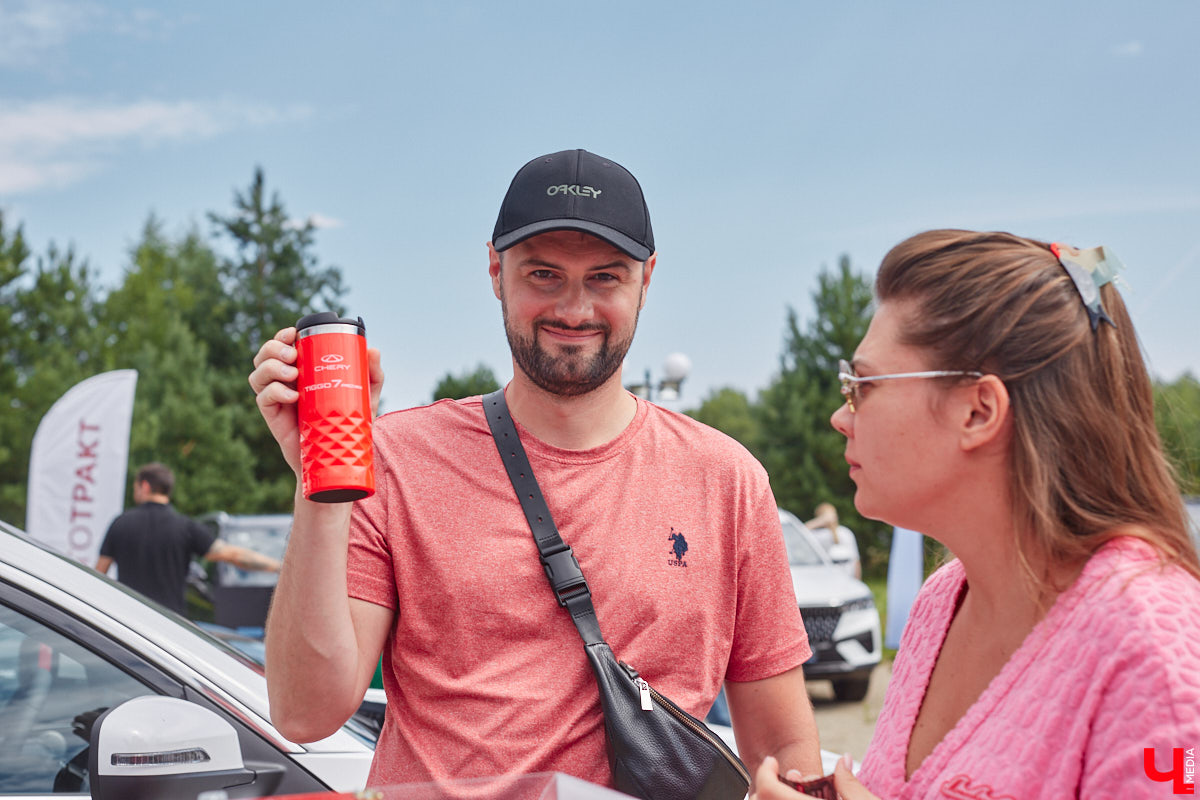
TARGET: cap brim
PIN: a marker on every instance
(617, 239)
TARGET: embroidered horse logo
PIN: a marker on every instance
(680, 545)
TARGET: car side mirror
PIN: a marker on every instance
(154, 747)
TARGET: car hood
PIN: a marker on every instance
(826, 586)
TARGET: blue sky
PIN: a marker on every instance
(770, 139)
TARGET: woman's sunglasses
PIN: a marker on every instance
(850, 382)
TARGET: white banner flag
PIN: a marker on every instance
(77, 465)
(906, 573)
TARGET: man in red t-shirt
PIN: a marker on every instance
(674, 525)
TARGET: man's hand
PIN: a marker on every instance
(274, 383)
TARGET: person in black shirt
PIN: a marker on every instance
(153, 544)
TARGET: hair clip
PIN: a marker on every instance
(1089, 269)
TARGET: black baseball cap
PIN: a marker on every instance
(575, 190)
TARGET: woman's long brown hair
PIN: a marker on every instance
(1087, 463)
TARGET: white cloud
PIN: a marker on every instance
(34, 33)
(317, 220)
(1131, 49)
(142, 23)
(18, 176)
(52, 143)
(32, 28)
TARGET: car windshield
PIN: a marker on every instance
(798, 541)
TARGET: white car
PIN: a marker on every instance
(839, 614)
(74, 643)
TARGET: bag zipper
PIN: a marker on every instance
(644, 691)
(647, 691)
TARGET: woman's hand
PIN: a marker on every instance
(847, 784)
(769, 787)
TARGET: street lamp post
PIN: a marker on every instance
(675, 368)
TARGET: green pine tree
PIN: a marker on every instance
(273, 280)
(801, 451)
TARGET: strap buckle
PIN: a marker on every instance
(565, 576)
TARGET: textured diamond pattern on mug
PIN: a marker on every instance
(337, 440)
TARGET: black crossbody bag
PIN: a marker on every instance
(657, 750)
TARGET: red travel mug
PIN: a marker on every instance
(336, 456)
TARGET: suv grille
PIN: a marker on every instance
(820, 623)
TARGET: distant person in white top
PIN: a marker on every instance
(837, 539)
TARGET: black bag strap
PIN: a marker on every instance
(562, 568)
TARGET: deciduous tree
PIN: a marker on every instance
(178, 418)
(730, 411)
(50, 340)
(1177, 412)
(467, 384)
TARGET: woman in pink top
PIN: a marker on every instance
(999, 403)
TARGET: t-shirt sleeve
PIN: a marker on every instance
(369, 572)
(769, 638)
(108, 547)
(117, 539)
(200, 538)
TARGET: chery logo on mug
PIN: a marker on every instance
(1183, 769)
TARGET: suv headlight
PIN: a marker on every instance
(861, 604)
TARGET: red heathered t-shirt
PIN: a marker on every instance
(485, 673)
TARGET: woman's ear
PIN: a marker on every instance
(987, 414)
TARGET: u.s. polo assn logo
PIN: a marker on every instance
(679, 547)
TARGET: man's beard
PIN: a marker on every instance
(572, 373)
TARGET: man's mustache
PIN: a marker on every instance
(587, 326)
